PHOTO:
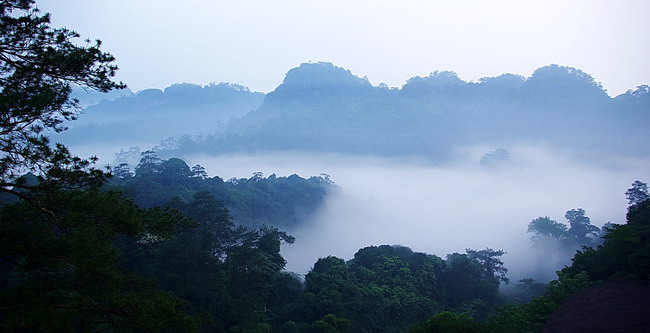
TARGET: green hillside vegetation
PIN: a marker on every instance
(275, 201)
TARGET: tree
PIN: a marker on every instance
(581, 228)
(38, 66)
(638, 193)
(449, 322)
(544, 228)
(174, 171)
(473, 279)
(149, 164)
(61, 273)
(60, 270)
(198, 171)
(491, 262)
(122, 171)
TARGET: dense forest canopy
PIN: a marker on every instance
(283, 202)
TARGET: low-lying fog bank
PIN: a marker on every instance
(444, 209)
(440, 209)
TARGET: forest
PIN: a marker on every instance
(162, 246)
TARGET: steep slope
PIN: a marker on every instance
(322, 107)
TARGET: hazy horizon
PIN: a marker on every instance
(255, 42)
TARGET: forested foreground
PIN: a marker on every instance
(90, 260)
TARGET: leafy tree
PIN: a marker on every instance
(330, 324)
(59, 267)
(449, 322)
(122, 171)
(38, 66)
(199, 172)
(581, 228)
(544, 228)
(150, 164)
(525, 290)
(60, 272)
(472, 281)
(491, 262)
(638, 193)
(278, 201)
(624, 254)
(174, 170)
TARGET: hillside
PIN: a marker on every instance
(152, 115)
(320, 107)
(324, 108)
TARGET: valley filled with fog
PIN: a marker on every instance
(441, 209)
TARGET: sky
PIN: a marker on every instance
(255, 42)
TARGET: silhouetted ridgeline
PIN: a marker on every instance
(152, 115)
(324, 108)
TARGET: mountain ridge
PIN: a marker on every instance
(323, 107)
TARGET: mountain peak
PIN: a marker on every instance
(320, 78)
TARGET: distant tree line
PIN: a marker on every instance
(275, 201)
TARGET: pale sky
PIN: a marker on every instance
(255, 42)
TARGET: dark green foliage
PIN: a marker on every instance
(389, 288)
(580, 226)
(472, 281)
(330, 324)
(524, 290)
(231, 277)
(61, 272)
(544, 229)
(258, 200)
(449, 322)
(551, 235)
(38, 65)
(638, 193)
(624, 254)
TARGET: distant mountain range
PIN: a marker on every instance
(324, 108)
(153, 115)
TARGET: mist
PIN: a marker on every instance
(441, 209)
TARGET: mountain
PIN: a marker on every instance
(152, 115)
(322, 107)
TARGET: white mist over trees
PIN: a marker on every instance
(439, 164)
(444, 209)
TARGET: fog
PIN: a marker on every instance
(440, 209)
